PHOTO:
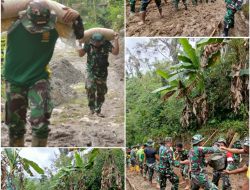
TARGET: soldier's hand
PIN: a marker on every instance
(70, 15)
(226, 171)
(116, 36)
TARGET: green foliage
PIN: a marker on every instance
(149, 117)
(99, 13)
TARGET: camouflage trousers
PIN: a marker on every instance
(132, 5)
(184, 171)
(19, 99)
(141, 167)
(176, 3)
(149, 168)
(96, 89)
(229, 18)
(201, 180)
(226, 185)
(168, 174)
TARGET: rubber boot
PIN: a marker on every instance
(16, 142)
(38, 142)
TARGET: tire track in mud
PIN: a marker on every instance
(197, 21)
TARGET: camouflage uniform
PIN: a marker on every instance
(166, 170)
(29, 50)
(183, 155)
(38, 98)
(97, 72)
(145, 3)
(232, 6)
(199, 177)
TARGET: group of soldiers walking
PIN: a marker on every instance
(192, 163)
(232, 6)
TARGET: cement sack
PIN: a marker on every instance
(107, 33)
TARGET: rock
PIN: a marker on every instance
(85, 119)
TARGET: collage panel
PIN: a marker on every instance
(187, 18)
(77, 100)
(62, 168)
(187, 122)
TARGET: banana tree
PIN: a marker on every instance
(187, 78)
(14, 166)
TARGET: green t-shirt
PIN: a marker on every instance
(28, 55)
(140, 154)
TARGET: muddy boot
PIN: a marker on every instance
(100, 115)
(16, 142)
(38, 142)
(143, 18)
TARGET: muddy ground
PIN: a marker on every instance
(197, 21)
(71, 123)
(138, 183)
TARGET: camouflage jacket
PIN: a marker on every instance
(167, 160)
(97, 59)
(234, 4)
(197, 157)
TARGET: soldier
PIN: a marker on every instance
(232, 7)
(166, 166)
(140, 158)
(176, 2)
(199, 177)
(217, 174)
(150, 160)
(182, 154)
(133, 156)
(245, 168)
(143, 10)
(30, 45)
(97, 50)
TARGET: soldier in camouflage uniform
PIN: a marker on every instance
(166, 166)
(217, 174)
(232, 7)
(30, 46)
(199, 177)
(97, 50)
(182, 154)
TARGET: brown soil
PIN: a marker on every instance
(197, 21)
(71, 124)
(136, 182)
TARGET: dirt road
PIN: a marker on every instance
(71, 124)
(197, 21)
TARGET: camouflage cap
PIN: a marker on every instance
(196, 139)
(38, 18)
(222, 140)
(168, 139)
(237, 144)
(150, 142)
(97, 37)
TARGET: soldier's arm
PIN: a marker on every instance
(233, 150)
(157, 157)
(210, 150)
(237, 171)
(115, 49)
(186, 162)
